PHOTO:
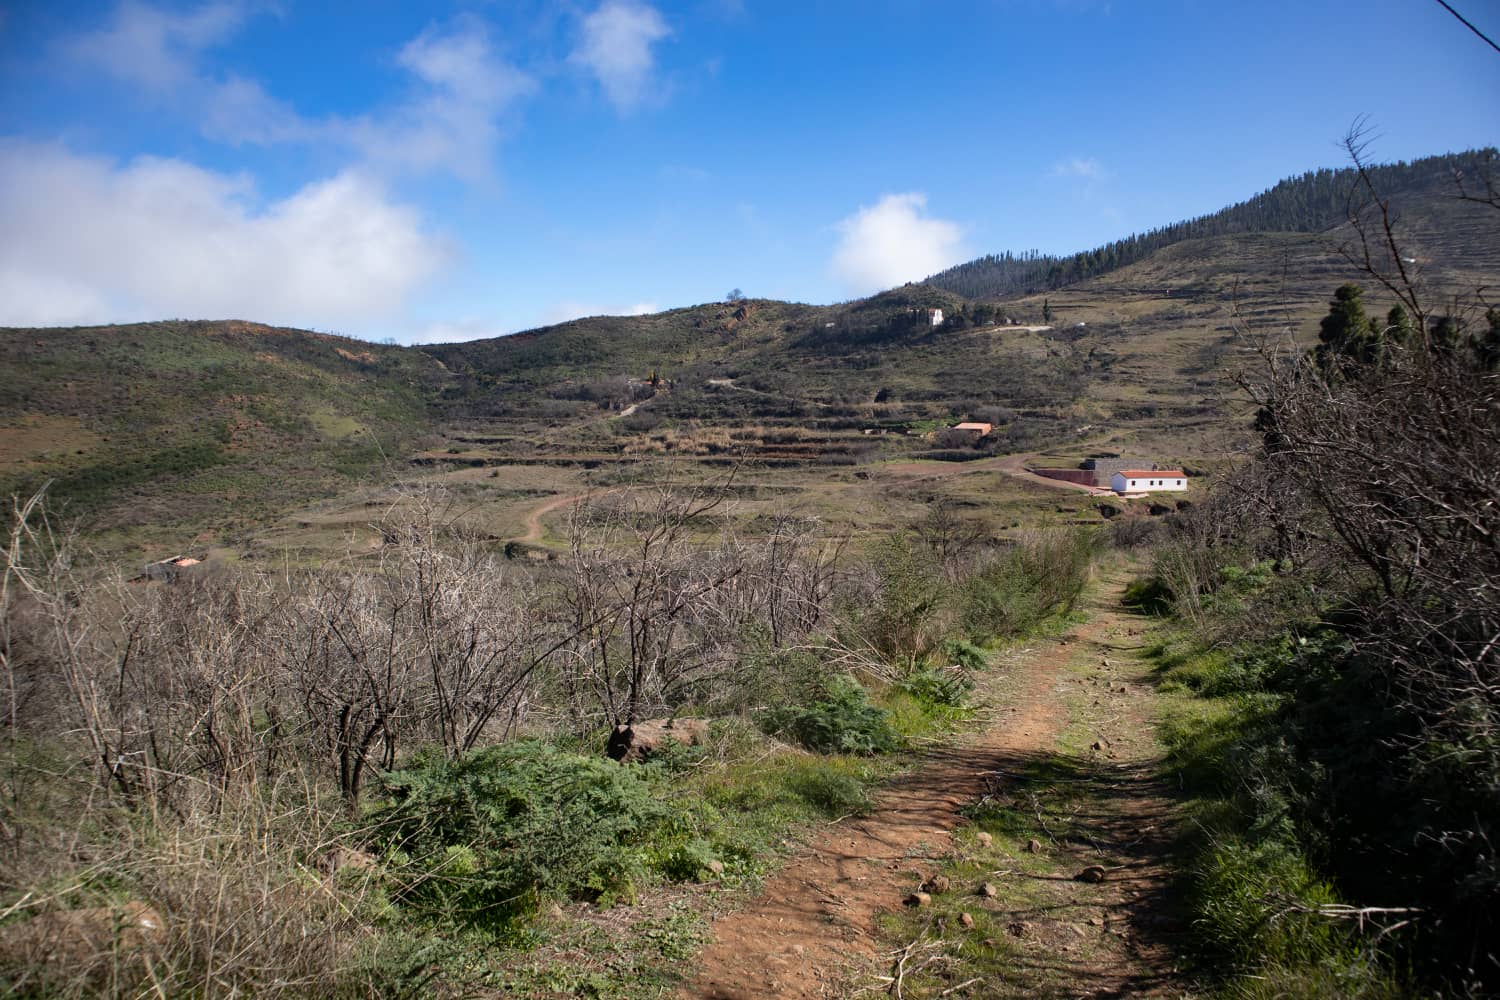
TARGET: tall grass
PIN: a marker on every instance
(1267, 921)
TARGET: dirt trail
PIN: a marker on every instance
(534, 518)
(1011, 465)
(813, 933)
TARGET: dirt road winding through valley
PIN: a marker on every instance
(534, 530)
(815, 929)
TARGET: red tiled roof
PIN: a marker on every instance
(1152, 474)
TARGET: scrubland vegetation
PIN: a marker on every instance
(381, 776)
(1334, 651)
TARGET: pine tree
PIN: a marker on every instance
(1346, 333)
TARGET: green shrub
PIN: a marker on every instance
(486, 835)
(768, 675)
(965, 654)
(830, 792)
(1150, 595)
(1261, 751)
(949, 688)
(909, 616)
(1018, 590)
(685, 860)
(843, 721)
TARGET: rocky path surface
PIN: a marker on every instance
(816, 930)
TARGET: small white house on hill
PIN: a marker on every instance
(1148, 481)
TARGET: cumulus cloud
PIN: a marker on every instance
(616, 49)
(1088, 169)
(893, 242)
(89, 240)
(564, 311)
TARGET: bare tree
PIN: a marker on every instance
(637, 593)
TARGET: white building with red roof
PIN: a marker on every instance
(1148, 481)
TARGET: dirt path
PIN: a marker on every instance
(814, 931)
(1011, 465)
(534, 518)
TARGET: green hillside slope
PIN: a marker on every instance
(159, 425)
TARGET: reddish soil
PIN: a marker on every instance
(813, 932)
(534, 519)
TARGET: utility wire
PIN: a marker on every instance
(1471, 27)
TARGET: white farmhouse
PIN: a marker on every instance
(935, 317)
(1148, 481)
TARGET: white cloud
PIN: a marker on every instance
(154, 48)
(892, 242)
(616, 49)
(448, 121)
(237, 110)
(451, 123)
(91, 241)
(564, 311)
(1089, 169)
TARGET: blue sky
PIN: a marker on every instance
(420, 172)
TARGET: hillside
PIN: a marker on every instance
(145, 428)
(188, 433)
(1315, 202)
(1132, 359)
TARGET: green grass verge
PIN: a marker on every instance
(1250, 885)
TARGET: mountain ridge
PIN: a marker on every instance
(1314, 201)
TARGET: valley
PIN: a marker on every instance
(949, 727)
(226, 429)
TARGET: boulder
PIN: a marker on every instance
(643, 740)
